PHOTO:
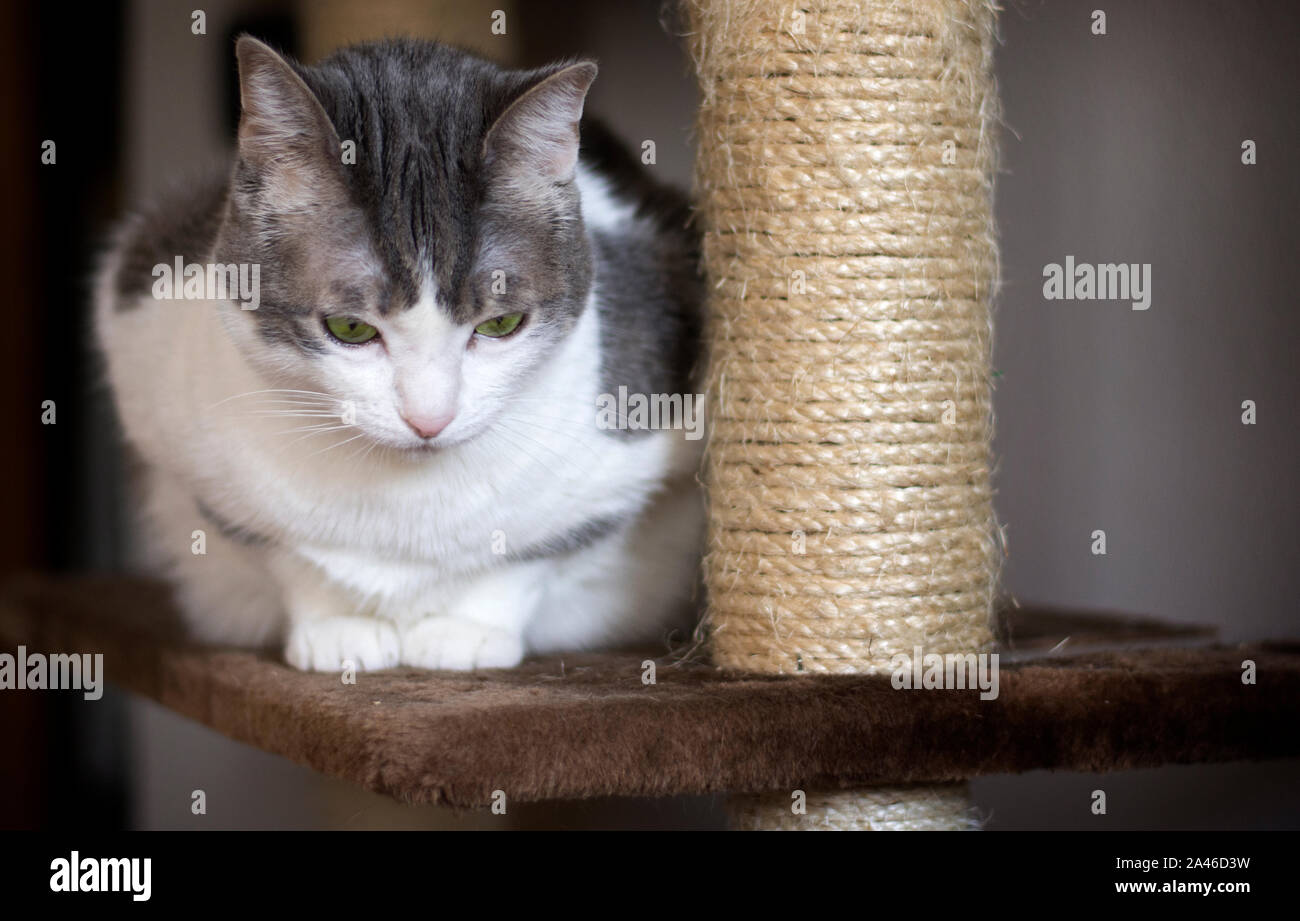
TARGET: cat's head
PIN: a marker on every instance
(415, 216)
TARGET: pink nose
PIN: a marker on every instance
(428, 426)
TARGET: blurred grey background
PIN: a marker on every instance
(1117, 148)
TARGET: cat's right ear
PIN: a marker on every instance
(283, 131)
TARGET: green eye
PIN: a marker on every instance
(500, 327)
(350, 330)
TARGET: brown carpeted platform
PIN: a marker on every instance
(585, 725)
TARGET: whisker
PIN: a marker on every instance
(565, 458)
(316, 431)
(337, 445)
(503, 433)
(251, 393)
(311, 414)
(573, 438)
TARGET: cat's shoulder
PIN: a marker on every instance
(608, 164)
(182, 221)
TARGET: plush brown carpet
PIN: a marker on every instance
(585, 725)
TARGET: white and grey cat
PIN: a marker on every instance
(396, 458)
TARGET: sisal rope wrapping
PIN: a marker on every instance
(851, 260)
(939, 807)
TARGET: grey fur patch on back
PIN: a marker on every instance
(182, 223)
(571, 541)
(650, 323)
(648, 280)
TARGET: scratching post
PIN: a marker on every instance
(914, 807)
(844, 177)
(850, 268)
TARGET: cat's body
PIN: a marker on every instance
(435, 496)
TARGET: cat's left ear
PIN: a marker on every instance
(538, 132)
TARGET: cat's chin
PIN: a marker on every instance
(423, 450)
(385, 446)
(417, 451)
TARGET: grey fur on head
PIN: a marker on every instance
(447, 178)
(441, 140)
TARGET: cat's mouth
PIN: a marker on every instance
(422, 449)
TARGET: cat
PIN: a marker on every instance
(390, 453)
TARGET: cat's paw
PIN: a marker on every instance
(459, 645)
(328, 644)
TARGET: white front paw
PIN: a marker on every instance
(460, 645)
(329, 644)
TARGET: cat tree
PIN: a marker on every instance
(845, 172)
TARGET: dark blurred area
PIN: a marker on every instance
(1122, 147)
(61, 86)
